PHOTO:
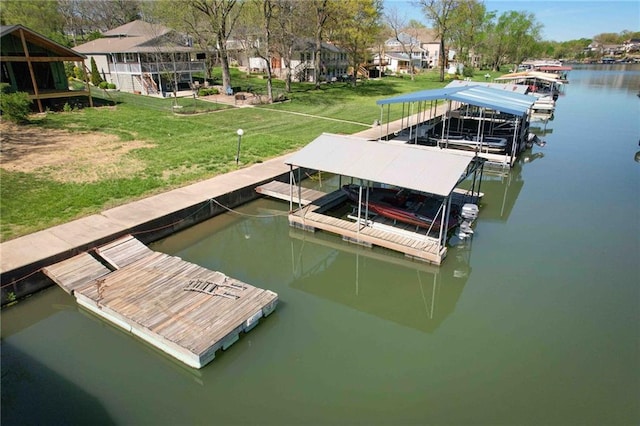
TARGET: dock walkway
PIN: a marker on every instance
(183, 309)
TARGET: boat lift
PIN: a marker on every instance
(402, 166)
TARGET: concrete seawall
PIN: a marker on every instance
(149, 219)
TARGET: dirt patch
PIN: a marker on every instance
(67, 156)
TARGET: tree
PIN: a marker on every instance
(405, 34)
(41, 16)
(360, 24)
(95, 74)
(220, 17)
(323, 11)
(289, 23)
(511, 39)
(439, 13)
(264, 17)
(516, 35)
(102, 15)
(209, 22)
(468, 20)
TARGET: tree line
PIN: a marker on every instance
(268, 28)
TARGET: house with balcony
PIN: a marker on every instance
(140, 57)
(396, 63)
(420, 43)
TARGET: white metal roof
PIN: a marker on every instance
(405, 166)
(509, 87)
(544, 76)
(497, 99)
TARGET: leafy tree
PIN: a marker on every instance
(264, 17)
(289, 24)
(440, 12)
(467, 33)
(101, 15)
(41, 16)
(607, 38)
(360, 24)
(215, 25)
(511, 39)
(95, 74)
(324, 12)
(405, 34)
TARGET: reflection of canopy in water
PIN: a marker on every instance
(500, 194)
(405, 292)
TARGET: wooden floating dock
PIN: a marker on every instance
(181, 308)
(393, 237)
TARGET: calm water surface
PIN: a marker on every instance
(535, 321)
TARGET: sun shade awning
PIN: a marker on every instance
(485, 97)
(532, 75)
(404, 166)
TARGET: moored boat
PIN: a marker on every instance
(405, 206)
(472, 142)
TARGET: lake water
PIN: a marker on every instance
(535, 321)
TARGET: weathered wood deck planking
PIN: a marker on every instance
(123, 251)
(155, 297)
(282, 191)
(416, 245)
(76, 271)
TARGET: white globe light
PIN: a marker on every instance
(240, 132)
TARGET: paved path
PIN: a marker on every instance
(35, 247)
(38, 246)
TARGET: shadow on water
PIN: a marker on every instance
(35, 394)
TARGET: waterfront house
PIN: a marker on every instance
(146, 58)
(334, 62)
(421, 43)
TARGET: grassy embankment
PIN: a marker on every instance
(188, 148)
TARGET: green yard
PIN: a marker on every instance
(180, 148)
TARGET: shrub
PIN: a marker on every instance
(14, 106)
(467, 71)
(208, 91)
(103, 85)
(96, 79)
(79, 73)
(69, 69)
(111, 86)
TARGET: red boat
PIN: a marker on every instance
(405, 206)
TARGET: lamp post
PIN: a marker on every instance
(240, 132)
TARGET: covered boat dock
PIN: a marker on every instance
(376, 164)
(489, 122)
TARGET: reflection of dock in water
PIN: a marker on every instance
(390, 287)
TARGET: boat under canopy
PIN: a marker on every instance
(404, 166)
(486, 119)
(516, 104)
(380, 163)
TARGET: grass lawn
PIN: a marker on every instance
(163, 150)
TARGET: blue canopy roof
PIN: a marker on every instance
(486, 97)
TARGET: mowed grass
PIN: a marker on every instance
(190, 147)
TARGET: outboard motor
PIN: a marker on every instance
(469, 214)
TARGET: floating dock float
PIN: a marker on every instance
(183, 309)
